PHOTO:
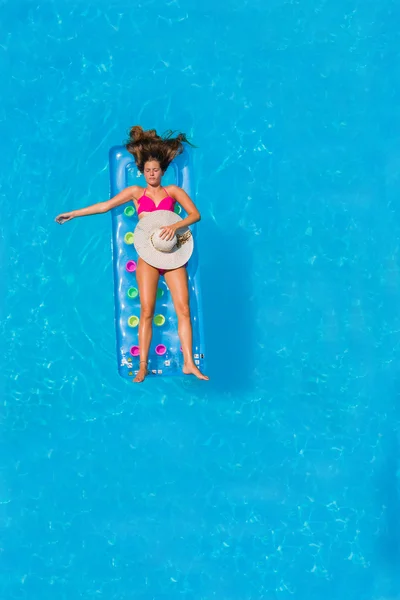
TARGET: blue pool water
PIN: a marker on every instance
(280, 477)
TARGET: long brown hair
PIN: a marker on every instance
(148, 145)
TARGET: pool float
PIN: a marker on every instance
(165, 357)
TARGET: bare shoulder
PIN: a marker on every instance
(136, 191)
(174, 190)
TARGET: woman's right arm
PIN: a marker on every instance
(126, 195)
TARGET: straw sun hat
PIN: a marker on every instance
(159, 253)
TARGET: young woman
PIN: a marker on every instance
(153, 154)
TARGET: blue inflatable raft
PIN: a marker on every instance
(165, 356)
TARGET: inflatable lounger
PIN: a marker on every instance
(165, 357)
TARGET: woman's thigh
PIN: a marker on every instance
(177, 281)
(147, 278)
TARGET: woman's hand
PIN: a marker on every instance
(64, 217)
(167, 232)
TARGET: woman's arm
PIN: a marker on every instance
(126, 195)
(193, 215)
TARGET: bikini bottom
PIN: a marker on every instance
(163, 271)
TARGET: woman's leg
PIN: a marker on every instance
(147, 278)
(177, 282)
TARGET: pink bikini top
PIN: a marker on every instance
(146, 204)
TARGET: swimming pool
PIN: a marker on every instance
(279, 478)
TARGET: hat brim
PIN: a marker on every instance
(145, 249)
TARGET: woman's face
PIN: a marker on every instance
(152, 172)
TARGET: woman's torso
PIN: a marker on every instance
(145, 204)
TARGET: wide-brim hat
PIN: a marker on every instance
(159, 253)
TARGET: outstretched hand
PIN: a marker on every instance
(64, 217)
(167, 232)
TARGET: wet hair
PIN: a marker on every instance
(148, 145)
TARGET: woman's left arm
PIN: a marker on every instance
(193, 215)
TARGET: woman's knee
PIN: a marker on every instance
(146, 311)
(183, 310)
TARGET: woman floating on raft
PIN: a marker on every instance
(162, 239)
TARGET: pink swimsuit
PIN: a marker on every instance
(146, 204)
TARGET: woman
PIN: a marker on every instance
(153, 154)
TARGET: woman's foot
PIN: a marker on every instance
(191, 369)
(142, 372)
